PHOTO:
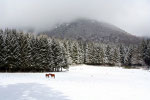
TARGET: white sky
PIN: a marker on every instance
(132, 16)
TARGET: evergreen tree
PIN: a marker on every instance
(11, 50)
(80, 51)
(75, 54)
(128, 56)
(63, 63)
(122, 54)
(67, 49)
(108, 55)
(89, 53)
(56, 54)
(34, 57)
(146, 52)
(116, 57)
(43, 46)
(100, 55)
(23, 52)
(2, 51)
(137, 56)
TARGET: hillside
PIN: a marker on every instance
(92, 30)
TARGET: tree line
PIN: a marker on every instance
(26, 52)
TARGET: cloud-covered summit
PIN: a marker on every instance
(130, 15)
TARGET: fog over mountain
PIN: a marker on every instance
(132, 16)
(92, 30)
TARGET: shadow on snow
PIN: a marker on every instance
(29, 91)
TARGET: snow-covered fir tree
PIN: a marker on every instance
(2, 51)
(27, 52)
(146, 52)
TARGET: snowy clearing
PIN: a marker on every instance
(79, 83)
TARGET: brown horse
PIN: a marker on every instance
(52, 75)
(47, 75)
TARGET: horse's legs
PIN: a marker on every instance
(47, 76)
(53, 76)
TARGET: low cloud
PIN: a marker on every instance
(131, 15)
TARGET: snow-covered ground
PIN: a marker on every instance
(79, 83)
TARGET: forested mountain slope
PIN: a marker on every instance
(24, 52)
(92, 30)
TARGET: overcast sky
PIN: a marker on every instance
(132, 16)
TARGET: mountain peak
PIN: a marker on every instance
(92, 30)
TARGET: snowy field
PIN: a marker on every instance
(79, 83)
